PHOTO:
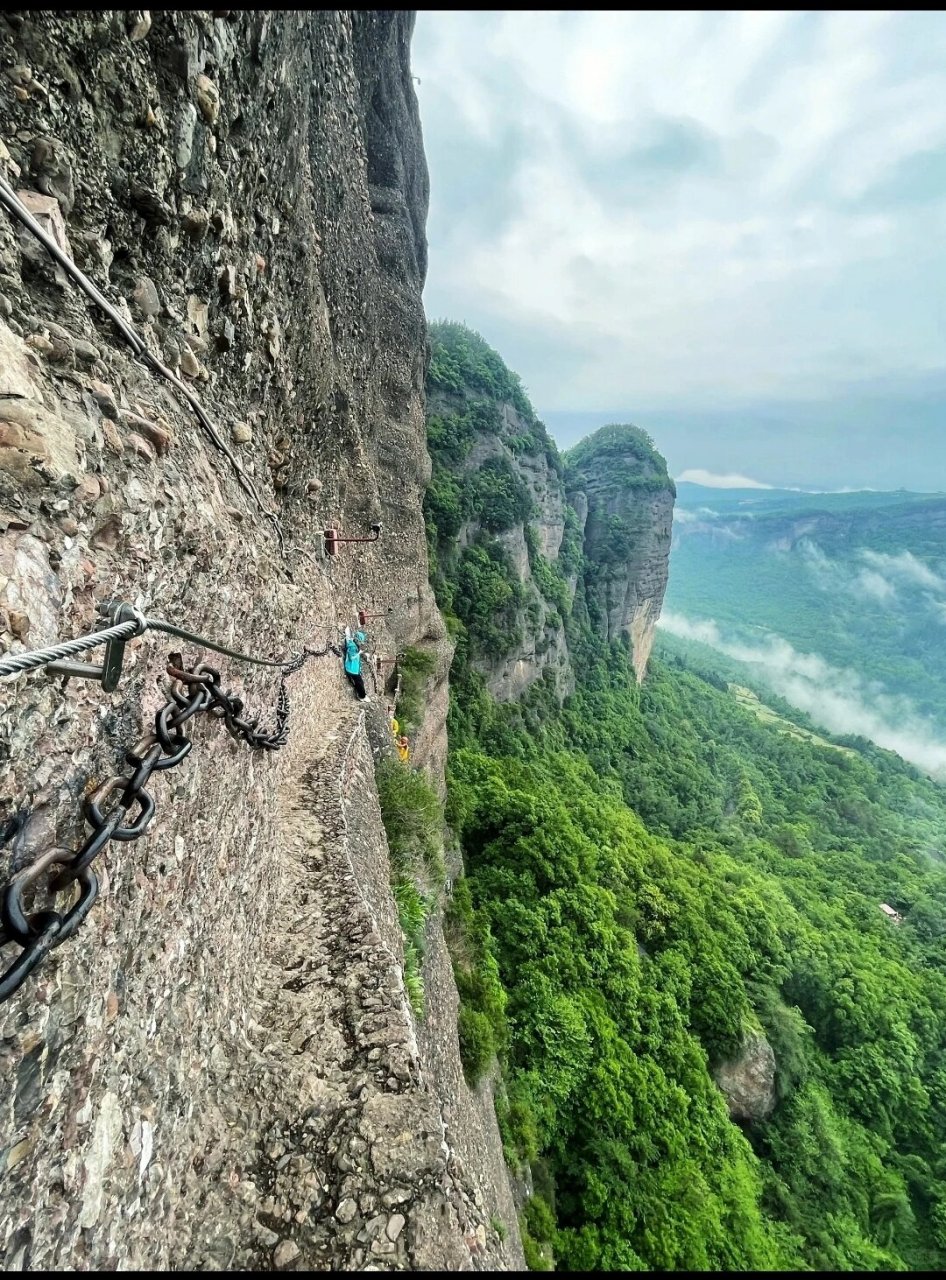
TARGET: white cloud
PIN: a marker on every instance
(741, 256)
(875, 586)
(711, 480)
(835, 698)
(905, 566)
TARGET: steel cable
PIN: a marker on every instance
(20, 663)
(12, 203)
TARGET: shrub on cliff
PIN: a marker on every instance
(461, 359)
(412, 815)
(413, 821)
(497, 497)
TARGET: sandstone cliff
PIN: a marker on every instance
(221, 1068)
(520, 535)
(619, 485)
(503, 496)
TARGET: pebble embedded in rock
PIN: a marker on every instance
(285, 1252)
(105, 398)
(141, 24)
(225, 335)
(112, 436)
(230, 283)
(190, 365)
(208, 98)
(141, 446)
(241, 433)
(20, 74)
(145, 298)
(196, 222)
(346, 1210)
(39, 342)
(85, 350)
(51, 167)
(88, 491)
(395, 1226)
(160, 436)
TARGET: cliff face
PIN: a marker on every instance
(506, 496)
(513, 554)
(619, 486)
(220, 1068)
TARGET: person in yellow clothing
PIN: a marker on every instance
(403, 747)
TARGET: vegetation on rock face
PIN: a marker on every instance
(414, 667)
(462, 361)
(625, 453)
(650, 872)
(413, 821)
(497, 497)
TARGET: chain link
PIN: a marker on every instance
(122, 808)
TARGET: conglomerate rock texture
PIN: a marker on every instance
(220, 1069)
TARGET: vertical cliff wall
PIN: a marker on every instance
(220, 1068)
(619, 486)
(521, 536)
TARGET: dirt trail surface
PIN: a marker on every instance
(311, 1129)
(359, 1170)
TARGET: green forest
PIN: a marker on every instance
(856, 578)
(652, 873)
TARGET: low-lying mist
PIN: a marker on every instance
(837, 699)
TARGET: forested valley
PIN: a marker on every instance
(657, 879)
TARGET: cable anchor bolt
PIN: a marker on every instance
(110, 670)
(333, 538)
(363, 617)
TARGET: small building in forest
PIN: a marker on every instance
(890, 913)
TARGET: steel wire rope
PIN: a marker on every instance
(14, 205)
(20, 663)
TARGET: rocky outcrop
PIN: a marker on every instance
(591, 531)
(219, 1069)
(519, 443)
(619, 485)
(748, 1081)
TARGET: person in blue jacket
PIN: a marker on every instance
(352, 659)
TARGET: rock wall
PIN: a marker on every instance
(542, 646)
(192, 1078)
(748, 1081)
(620, 489)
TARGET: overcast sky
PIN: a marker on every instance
(729, 228)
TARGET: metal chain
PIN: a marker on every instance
(190, 693)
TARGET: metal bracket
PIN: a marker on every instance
(333, 538)
(110, 670)
(363, 617)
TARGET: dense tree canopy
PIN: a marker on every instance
(651, 873)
